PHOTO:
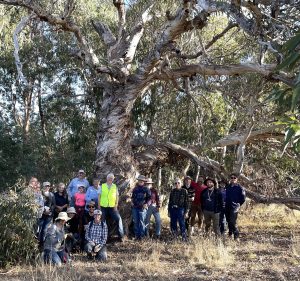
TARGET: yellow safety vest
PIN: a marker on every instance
(108, 195)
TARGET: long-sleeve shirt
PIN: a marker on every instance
(155, 198)
(234, 194)
(73, 186)
(212, 200)
(191, 194)
(92, 194)
(54, 238)
(198, 190)
(97, 233)
(178, 199)
(140, 195)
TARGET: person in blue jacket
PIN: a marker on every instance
(235, 197)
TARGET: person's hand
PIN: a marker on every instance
(186, 215)
(97, 248)
(145, 206)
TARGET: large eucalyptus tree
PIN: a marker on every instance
(144, 46)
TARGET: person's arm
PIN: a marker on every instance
(158, 202)
(117, 199)
(186, 201)
(242, 196)
(170, 202)
(99, 197)
(104, 235)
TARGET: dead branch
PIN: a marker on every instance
(265, 133)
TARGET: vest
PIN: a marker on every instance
(108, 196)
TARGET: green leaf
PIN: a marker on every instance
(288, 136)
(290, 61)
(296, 97)
(291, 44)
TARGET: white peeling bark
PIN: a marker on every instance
(18, 63)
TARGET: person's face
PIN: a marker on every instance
(33, 183)
(177, 184)
(46, 188)
(233, 179)
(148, 185)
(200, 180)
(96, 183)
(81, 175)
(71, 215)
(81, 189)
(97, 218)
(61, 188)
(141, 182)
(187, 182)
(210, 184)
(109, 180)
(91, 208)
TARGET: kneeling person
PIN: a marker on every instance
(54, 245)
(96, 236)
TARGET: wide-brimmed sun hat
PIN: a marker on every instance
(62, 216)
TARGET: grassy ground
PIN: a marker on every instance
(269, 249)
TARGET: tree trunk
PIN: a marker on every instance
(114, 152)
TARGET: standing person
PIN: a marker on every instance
(235, 198)
(34, 187)
(61, 200)
(196, 209)
(153, 209)
(108, 201)
(96, 236)
(79, 202)
(73, 186)
(140, 198)
(47, 217)
(92, 193)
(54, 246)
(191, 196)
(177, 208)
(212, 204)
(222, 224)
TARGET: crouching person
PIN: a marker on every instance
(96, 236)
(54, 244)
(72, 231)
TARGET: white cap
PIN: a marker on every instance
(46, 183)
(81, 171)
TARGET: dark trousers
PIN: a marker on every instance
(44, 222)
(222, 221)
(231, 218)
(115, 215)
(177, 216)
(100, 255)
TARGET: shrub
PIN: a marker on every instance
(17, 220)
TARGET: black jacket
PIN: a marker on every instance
(212, 199)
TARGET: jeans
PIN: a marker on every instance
(44, 222)
(177, 215)
(115, 215)
(139, 217)
(54, 257)
(100, 255)
(214, 218)
(231, 218)
(152, 210)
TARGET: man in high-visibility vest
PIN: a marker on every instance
(108, 203)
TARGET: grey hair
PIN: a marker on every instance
(110, 175)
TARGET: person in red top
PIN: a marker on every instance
(196, 205)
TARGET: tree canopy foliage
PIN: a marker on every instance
(108, 78)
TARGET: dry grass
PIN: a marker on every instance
(269, 249)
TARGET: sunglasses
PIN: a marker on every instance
(233, 178)
(177, 182)
(91, 207)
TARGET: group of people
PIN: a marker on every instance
(76, 216)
